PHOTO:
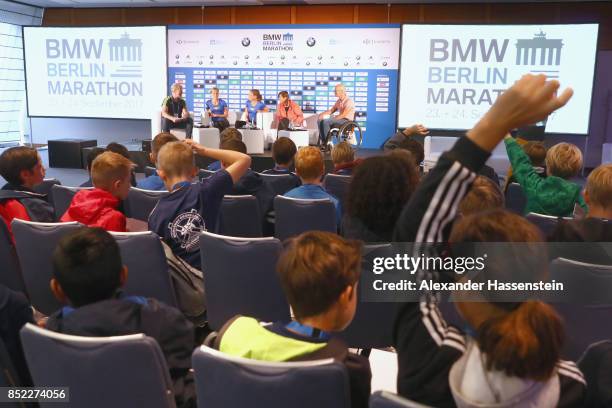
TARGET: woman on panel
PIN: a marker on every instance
(254, 105)
(287, 112)
(217, 110)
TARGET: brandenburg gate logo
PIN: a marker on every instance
(539, 51)
(125, 49)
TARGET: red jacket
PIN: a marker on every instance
(294, 113)
(96, 208)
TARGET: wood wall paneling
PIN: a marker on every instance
(405, 13)
(324, 14)
(217, 15)
(263, 15)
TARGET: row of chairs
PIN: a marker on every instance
(241, 269)
(221, 380)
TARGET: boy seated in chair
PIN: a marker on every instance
(87, 276)
(319, 273)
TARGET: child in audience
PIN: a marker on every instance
(122, 150)
(536, 151)
(22, 168)
(394, 141)
(91, 156)
(192, 207)
(283, 154)
(379, 189)
(513, 357)
(319, 272)
(227, 134)
(343, 157)
(15, 312)
(87, 276)
(310, 167)
(483, 195)
(415, 147)
(154, 182)
(553, 195)
(111, 174)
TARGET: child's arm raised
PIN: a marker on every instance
(236, 163)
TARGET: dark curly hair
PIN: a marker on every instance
(380, 188)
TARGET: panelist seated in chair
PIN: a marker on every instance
(218, 110)
(253, 105)
(346, 113)
(175, 114)
(287, 113)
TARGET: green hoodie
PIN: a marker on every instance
(551, 195)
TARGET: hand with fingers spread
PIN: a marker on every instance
(528, 101)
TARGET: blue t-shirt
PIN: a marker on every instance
(153, 183)
(252, 110)
(214, 166)
(216, 109)
(191, 208)
(314, 191)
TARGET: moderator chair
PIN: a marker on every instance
(338, 186)
(240, 278)
(140, 203)
(9, 376)
(148, 274)
(515, 198)
(384, 399)
(10, 273)
(294, 216)
(61, 197)
(280, 183)
(240, 216)
(35, 243)
(235, 382)
(120, 371)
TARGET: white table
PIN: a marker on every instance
(254, 140)
(207, 137)
(299, 137)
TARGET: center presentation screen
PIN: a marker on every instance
(98, 72)
(451, 74)
(307, 61)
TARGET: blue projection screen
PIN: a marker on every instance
(306, 61)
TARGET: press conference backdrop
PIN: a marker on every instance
(305, 60)
(103, 72)
(451, 74)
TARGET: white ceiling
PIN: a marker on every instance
(175, 3)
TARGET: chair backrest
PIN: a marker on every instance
(338, 186)
(546, 223)
(140, 203)
(583, 282)
(61, 197)
(45, 187)
(35, 243)
(149, 171)
(234, 382)
(10, 273)
(243, 270)
(8, 374)
(148, 274)
(384, 399)
(240, 216)
(204, 174)
(294, 216)
(516, 200)
(99, 371)
(280, 183)
(372, 326)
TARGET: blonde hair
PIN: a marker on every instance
(564, 160)
(175, 159)
(176, 86)
(309, 163)
(108, 168)
(599, 186)
(483, 195)
(342, 153)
